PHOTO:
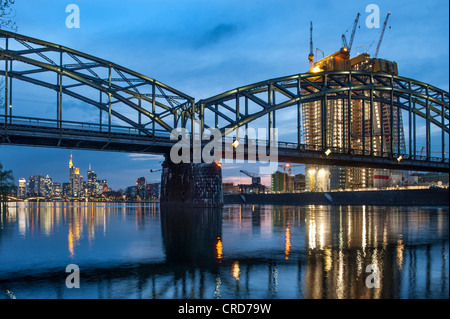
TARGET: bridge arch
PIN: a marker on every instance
(159, 107)
(365, 92)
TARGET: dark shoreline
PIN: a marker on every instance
(413, 197)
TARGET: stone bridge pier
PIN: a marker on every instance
(191, 184)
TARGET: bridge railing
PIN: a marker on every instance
(34, 122)
(104, 129)
(295, 147)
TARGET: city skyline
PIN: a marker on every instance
(220, 51)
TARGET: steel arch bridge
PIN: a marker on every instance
(137, 113)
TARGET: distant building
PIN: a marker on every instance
(140, 187)
(299, 182)
(22, 189)
(429, 178)
(47, 187)
(153, 191)
(91, 181)
(105, 186)
(279, 182)
(75, 180)
(230, 188)
(66, 189)
(56, 189)
(317, 178)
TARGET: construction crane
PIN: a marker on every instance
(287, 184)
(352, 36)
(381, 37)
(311, 53)
(255, 178)
(255, 186)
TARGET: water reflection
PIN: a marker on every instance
(191, 236)
(241, 251)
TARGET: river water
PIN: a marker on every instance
(125, 250)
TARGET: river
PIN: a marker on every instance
(134, 250)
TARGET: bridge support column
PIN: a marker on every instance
(194, 185)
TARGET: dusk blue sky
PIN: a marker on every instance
(206, 47)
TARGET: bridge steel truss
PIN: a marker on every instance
(151, 107)
(141, 112)
(397, 97)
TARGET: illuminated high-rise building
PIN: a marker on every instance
(74, 180)
(371, 128)
(92, 184)
(22, 190)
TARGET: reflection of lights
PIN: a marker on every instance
(219, 248)
(235, 144)
(327, 152)
(288, 242)
(400, 248)
(235, 270)
(217, 290)
(363, 236)
(312, 171)
(218, 164)
(71, 242)
(321, 234)
(399, 158)
(327, 259)
(321, 172)
(312, 233)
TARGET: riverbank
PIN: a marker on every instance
(413, 197)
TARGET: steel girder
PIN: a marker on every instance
(159, 106)
(241, 106)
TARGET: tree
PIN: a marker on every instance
(7, 186)
(7, 15)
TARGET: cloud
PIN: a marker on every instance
(145, 157)
(218, 33)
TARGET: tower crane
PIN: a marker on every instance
(352, 36)
(381, 37)
(289, 167)
(311, 53)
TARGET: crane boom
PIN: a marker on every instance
(249, 174)
(381, 37)
(255, 178)
(350, 43)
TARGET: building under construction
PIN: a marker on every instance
(367, 126)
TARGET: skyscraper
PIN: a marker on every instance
(22, 190)
(352, 125)
(92, 184)
(74, 179)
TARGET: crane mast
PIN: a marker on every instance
(311, 54)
